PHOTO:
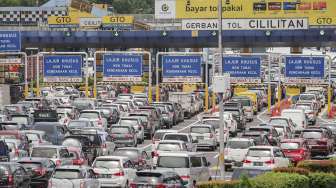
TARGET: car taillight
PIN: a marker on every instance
(185, 178)
(133, 185)
(58, 162)
(40, 141)
(160, 186)
(40, 171)
(270, 161)
(119, 174)
(82, 184)
(10, 179)
(247, 161)
(155, 154)
(301, 151)
(303, 123)
(322, 142)
(16, 152)
(77, 161)
(128, 136)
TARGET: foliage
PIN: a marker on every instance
(301, 171)
(322, 180)
(327, 166)
(280, 180)
(219, 184)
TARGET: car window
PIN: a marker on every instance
(173, 162)
(64, 153)
(128, 164)
(196, 161)
(277, 153)
(44, 152)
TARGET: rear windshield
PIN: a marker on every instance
(278, 122)
(148, 178)
(307, 97)
(73, 124)
(311, 135)
(169, 147)
(70, 142)
(200, 130)
(110, 164)
(173, 162)
(159, 135)
(233, 112)
(32, 136)
(259, 152)
(68, 174)
(259, 129)
(183, 138)
(22, 120)
(130, 153)
(49, 129)
(214, 123)
(128, 122)
(89, 115)
(238, 144)
(289, 146)
(30, 164)
(44, 152)
(120, 130)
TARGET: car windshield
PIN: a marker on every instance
(70, 142)
(304, 107)
(289, 145)
(30, 164)
(49, 129)
(233, 144)
(173, 162)
(67, 174)
(280, 130)
(120, 130)
(22, 120)
(128, 122)
(109, 164)
(183, 138)
(169, 147)
(200, 130)
(44, 152)
(2, 137)
(278, 122)
(89, 115)
(244, 102)
(143, 118)
(130, 153)
(311, 135)
(259, 152)
(307, 97)
(77, 124)
(148, 178)
(33, 137)
(258, 129)
(233, 112)
(214, 123)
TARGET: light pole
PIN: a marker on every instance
(221, 111)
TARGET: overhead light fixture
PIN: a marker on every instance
(322, 32)
(214, 33)
(164, 33)
(116, 33)
(268, 33)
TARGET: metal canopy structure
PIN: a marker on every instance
(314, 37)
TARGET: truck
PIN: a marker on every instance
(189, 105)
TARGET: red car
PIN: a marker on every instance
(295, 149)
(318, 141)
(79, 158)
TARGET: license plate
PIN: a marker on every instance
(257, 163)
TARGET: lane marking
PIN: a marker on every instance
(262, 113)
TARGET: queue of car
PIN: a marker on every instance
(63, 140)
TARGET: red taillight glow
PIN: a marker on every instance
(77, 161)
(40, 171)
(155, 154)
(10, 180)
(100, 122)
(133, 185)
(58, 163)
(160, 186)
(119, 174)
(185, 178)
(247, 161)
(322, 142)
(270, 162)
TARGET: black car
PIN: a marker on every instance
(14, 175)
(4, 151)
(40, 169)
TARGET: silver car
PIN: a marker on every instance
(58, 154)
(74, 176)
(205, 136)
(136, 123)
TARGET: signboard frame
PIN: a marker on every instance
(17, 41)
(284, 60)
(85, 60)
(142, 53)
(25, 57)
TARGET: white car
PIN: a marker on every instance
(280, 120)
(73, 176)
(265, 156)
(298, 116)
(168, 146)
(136, 124)
(158, 136)
(229, 119)
(236, 150)
(114, 171)
(205, 135)
(185, 137)
(215, 123)
(95, 116)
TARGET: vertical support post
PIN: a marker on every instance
(157, 88)
(26, 90)
(269, 93)
(279, 84)
(95, 75)
(329, 85)
(38, 76)
(206, 101)
(150, 95)
(86, 76)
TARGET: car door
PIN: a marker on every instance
(129, 170)
(195, 171)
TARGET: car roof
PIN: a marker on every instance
(114, 157)
(49, 146)
(181, 154)
(33, 159)
(202, 125)
(263, 147)
(300, 140)
(165, 131)
(74, 167)
(240, 139)
(171, 141)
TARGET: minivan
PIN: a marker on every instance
(298, 116)
(190, 166)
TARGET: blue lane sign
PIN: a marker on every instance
(304, 67)
(181, 68)
(122, 67)
(10, 41)
(62, 68)
(242, 67)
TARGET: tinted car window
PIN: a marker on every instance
(110, 164)
(259, 152)
(196, 161)
(200, 130)
(173, 162)
(44, 152)
(49, 129)
(67, 174)
(312, 135)
(176, 137)
(169, 147)
(238, 144)
(120, 130)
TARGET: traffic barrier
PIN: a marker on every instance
(284, 104)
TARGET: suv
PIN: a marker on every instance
(191, 167)
(58, 154)
(238, 115)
